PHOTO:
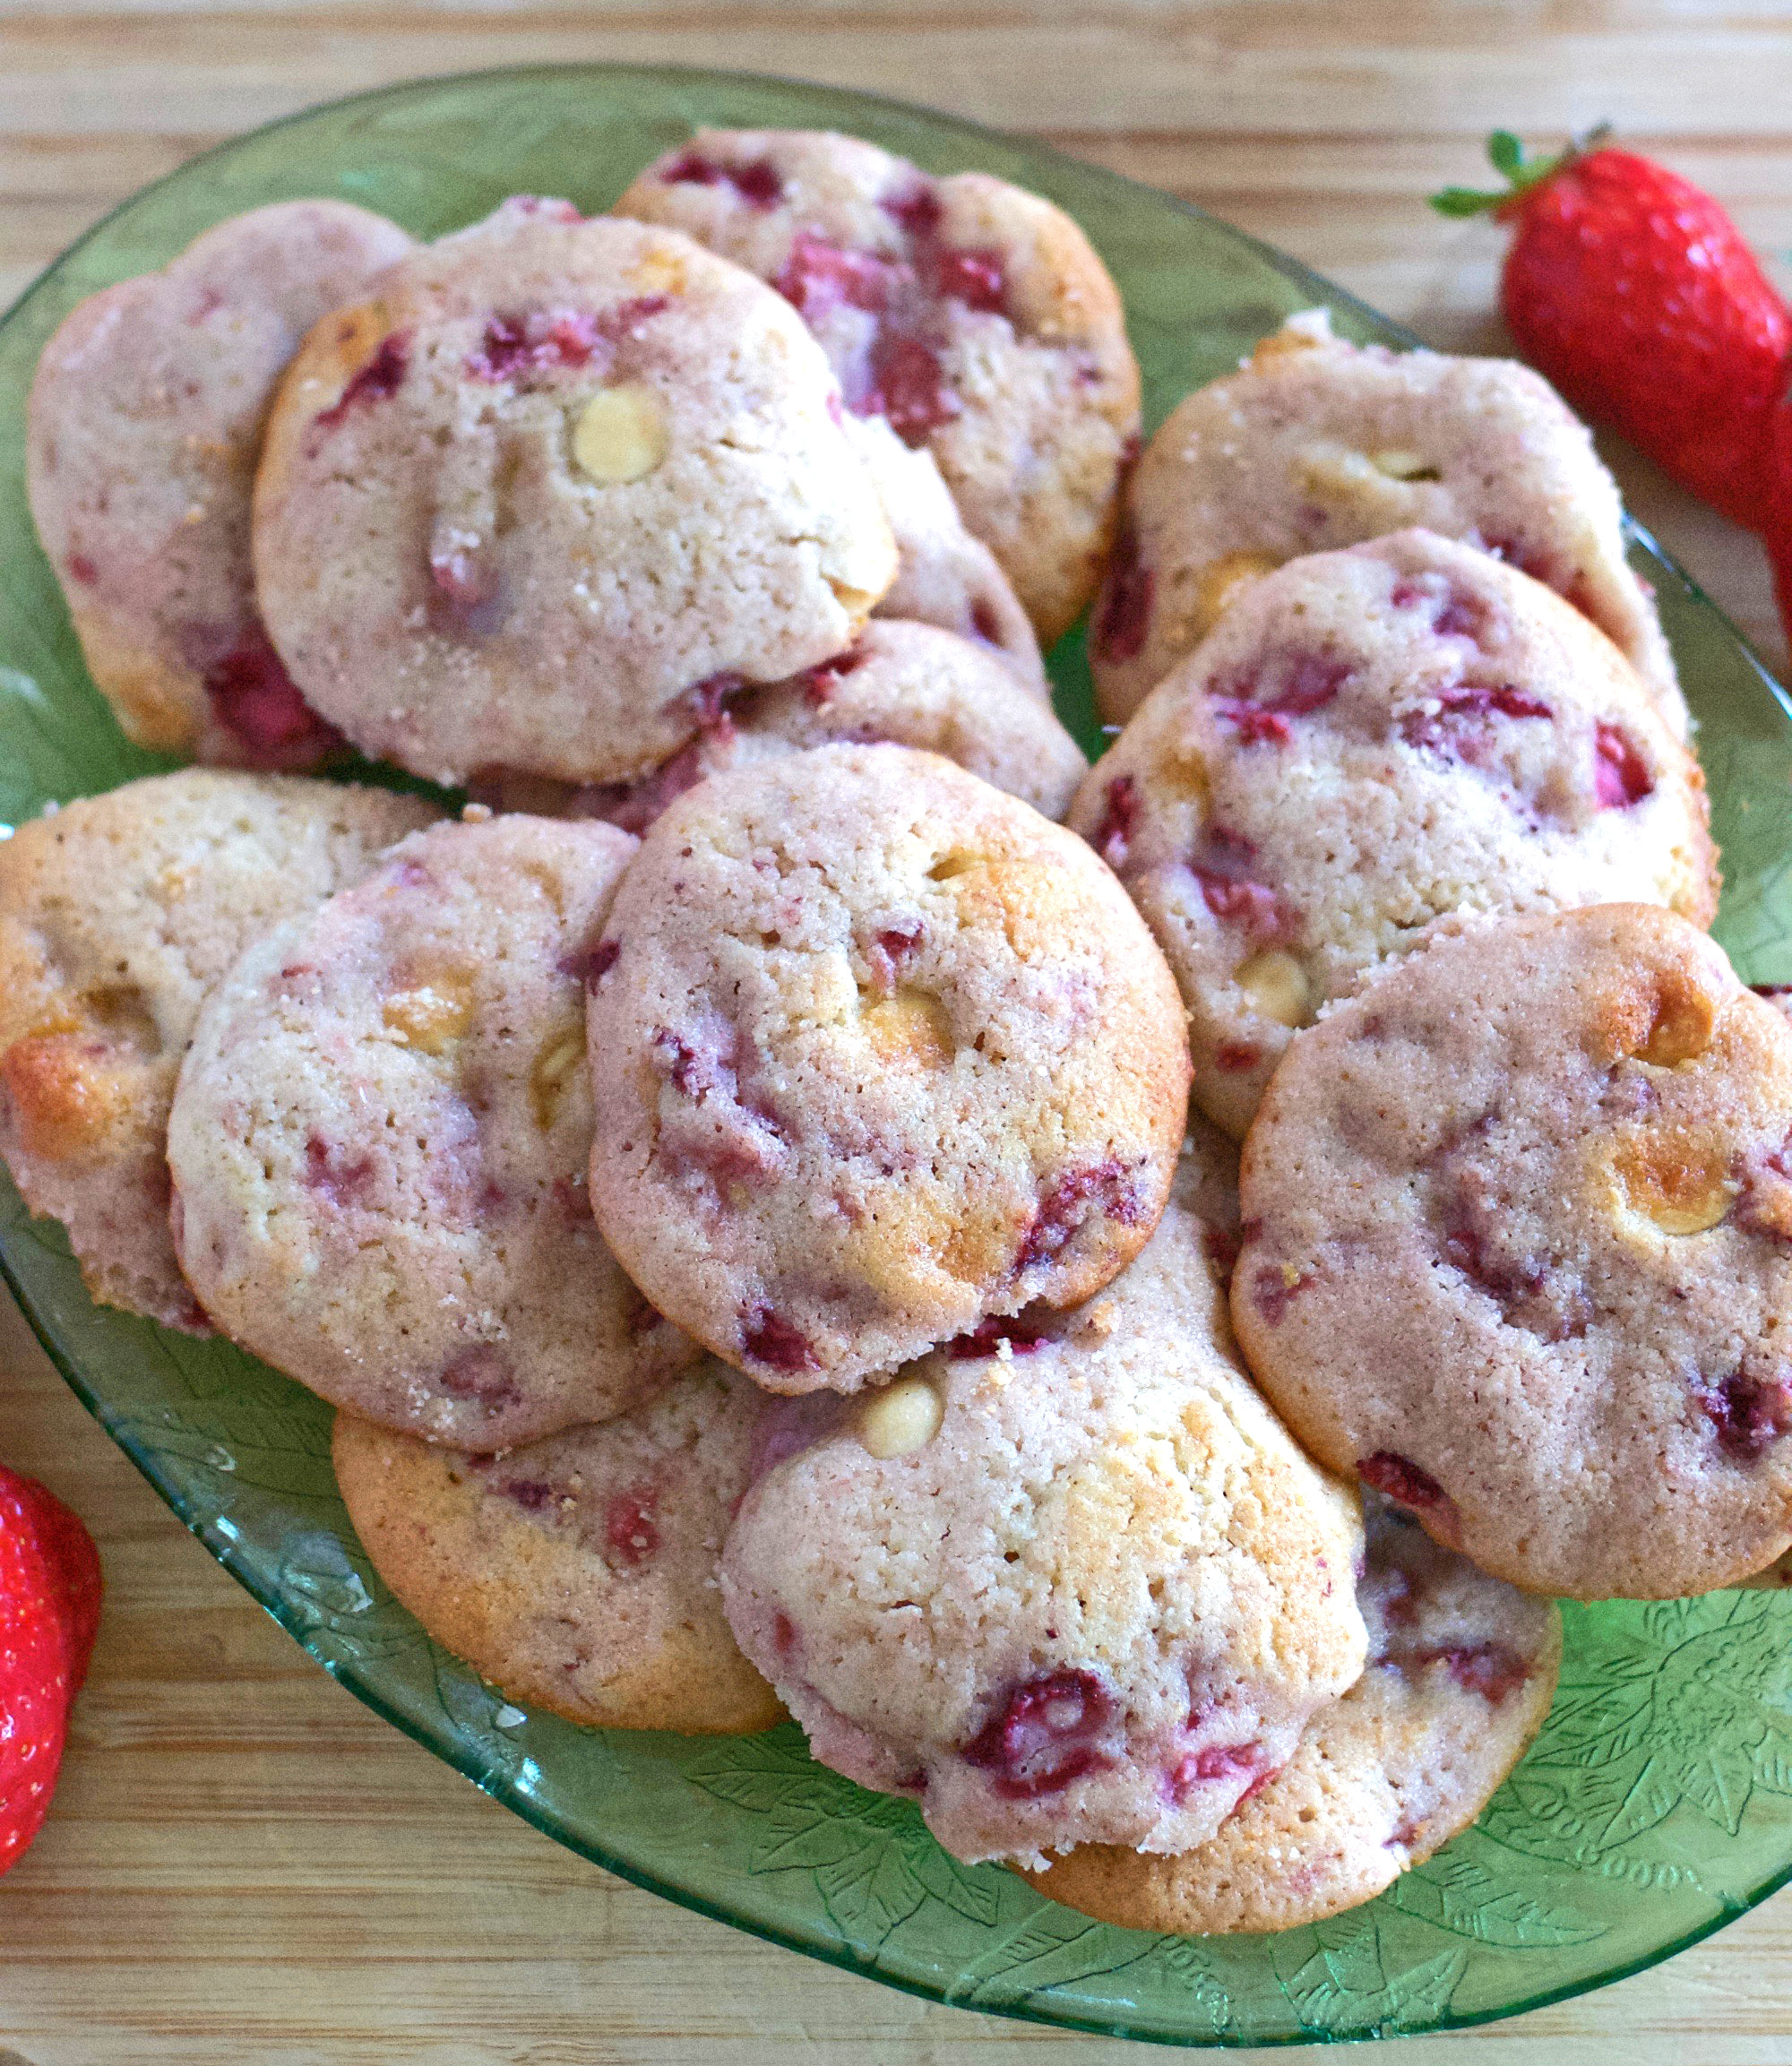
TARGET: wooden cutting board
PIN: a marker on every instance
(245, 1867)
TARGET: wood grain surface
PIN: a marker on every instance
(245, 1867)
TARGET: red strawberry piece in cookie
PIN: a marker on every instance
(1045, 1734)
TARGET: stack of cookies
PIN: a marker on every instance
(755, 1163)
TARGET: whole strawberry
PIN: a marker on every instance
(1633, 292)
(49, 1610)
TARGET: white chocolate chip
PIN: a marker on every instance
(1398, 464)
(1671, 1187)
(1277, 987)
(1338, 476)
(912, 1027)
(900, 1418)
(1331, 470)
(1222, 582)
(435, 1014)
(623, 434)
(554, 1066)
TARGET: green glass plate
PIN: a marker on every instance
(1656, 1803)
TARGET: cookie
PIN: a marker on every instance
(117, 914)
(1317, 443)
(878, 1053)
(1460, 1671)
(911, 684)
(1066, 1582)
(379, 1141)
(943, 575)
(521, 506)
(577, 1573)
(1518, 1251)
(141, 437)
(975, 318)
(1369, 740)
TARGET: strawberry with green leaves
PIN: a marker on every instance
(49, 1610)
(1633, 292)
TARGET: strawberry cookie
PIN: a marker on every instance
(1369, 740)
(879, 1053)
(1461, 1673)
(577, 1573)
(1518, 1252)
(1316, 444)
(910, 683)
(117, 914)
(975, 318)
(379, 1143)
(526, 506)
(1067, 1581)
(144, 425)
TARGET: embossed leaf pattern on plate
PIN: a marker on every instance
(1657, 1803)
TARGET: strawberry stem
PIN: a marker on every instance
(1519, 170)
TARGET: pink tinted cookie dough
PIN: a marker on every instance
(1518, 1252)
(379, 1143)
(144, 431)
(1460, 1671)
(1068, 1580)
(945, 577)
(1316, 443)
(879, 1053)
(117, 914)
(1371, 740)
(525, 506)
(908, 683)
(577, 1573)
(975, 318)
